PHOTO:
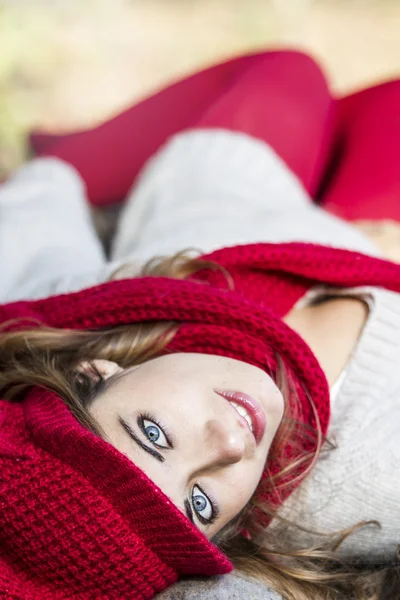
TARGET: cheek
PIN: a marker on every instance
(237, 490)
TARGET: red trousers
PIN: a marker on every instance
(345, 151)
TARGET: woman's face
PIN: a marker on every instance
(200, 426)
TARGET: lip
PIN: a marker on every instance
(254, 409)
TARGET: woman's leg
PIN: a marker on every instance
(366, 183)
(283, 100)
(219, 185)
(109, 156)
(47, 240)
(294, 115)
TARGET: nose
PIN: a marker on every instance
(226, 445)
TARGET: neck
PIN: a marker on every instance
(331, 328)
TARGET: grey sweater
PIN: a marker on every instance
(227, 587)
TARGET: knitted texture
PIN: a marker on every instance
(77, 518)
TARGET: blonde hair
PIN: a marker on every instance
(48, 357)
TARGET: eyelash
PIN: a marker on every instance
(148, 417)
(145, 416)
(215, 511)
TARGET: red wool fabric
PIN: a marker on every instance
(265, 94)
(366, 181)
(77, 518)
(344, 150)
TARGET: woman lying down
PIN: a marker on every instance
(237, 408)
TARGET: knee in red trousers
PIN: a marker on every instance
(288, 106)
(366, 181)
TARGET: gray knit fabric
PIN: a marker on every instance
(204, 189)
(227, 587)
(215, 188)
(48, 243)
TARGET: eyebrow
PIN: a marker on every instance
(152, 451)
(157, 456)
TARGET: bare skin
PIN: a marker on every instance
(331, 328)
(168, 417)
(385, 234)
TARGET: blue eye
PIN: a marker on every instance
(202, 506)
(155, 434)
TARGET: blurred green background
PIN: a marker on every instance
(68, 64)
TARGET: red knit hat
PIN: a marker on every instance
(78, 519)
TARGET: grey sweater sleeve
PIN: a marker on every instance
(213, 188)
(48, 243)
(226, 587)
